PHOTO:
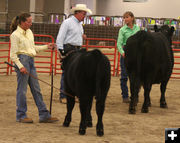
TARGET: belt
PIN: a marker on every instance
(26, 55)
(69, 45)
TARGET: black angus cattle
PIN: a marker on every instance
(149, 60)
(87, 74)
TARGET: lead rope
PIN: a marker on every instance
(42, 81)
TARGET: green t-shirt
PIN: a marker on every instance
(124, 33)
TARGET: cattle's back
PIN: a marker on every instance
(149, 56)
(84, 68)
(88, 63)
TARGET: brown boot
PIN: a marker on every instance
(63, 100)
(49, 120)
(126, 100)
(76, 99)
(26, 120)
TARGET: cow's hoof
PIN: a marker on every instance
(66, 124)
(132, 111)
(89, 123)
(149, 104)
(82, 131)
(144, 110)
(100, 132)
(136, 102)
(163, 105)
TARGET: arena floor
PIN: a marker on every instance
(119, 126)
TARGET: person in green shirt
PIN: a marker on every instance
(129, 29)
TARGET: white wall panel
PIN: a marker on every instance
(151, 8)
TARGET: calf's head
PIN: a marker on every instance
(166, 31)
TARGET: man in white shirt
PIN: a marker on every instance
(71, 33)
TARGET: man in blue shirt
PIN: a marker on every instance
(71, 33)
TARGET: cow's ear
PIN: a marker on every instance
(172, 29)
(156, 28)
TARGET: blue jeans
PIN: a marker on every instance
(22, 81)
(123, 79)
(62, 95)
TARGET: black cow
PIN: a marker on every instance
(87, 74)
(149, 60)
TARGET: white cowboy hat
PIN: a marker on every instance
(81, 7)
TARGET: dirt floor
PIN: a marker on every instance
(119, 126)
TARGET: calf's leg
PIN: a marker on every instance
(147, 103)
(70, 106)
(100, 105)
(134, 88)
(163, 103)
(83, 109)
(88, 116)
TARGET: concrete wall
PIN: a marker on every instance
(2, 5)
(3, 15)
(39, 6)
(3, 10)
(17, 6)
(55, 6)
(151, 8)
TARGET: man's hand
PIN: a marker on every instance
(84, 36)
(23, 70)
(52, 46)
(61, 52)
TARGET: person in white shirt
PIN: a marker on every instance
(22, 52)
(71, 33)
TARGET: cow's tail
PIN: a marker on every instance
(103, 76)
(142, 36)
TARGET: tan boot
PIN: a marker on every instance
(76, 99)
(126, 100)
(63, 100)
(49, 120)
(26, 120)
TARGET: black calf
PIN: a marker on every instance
(149, 60)
(87, 74)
